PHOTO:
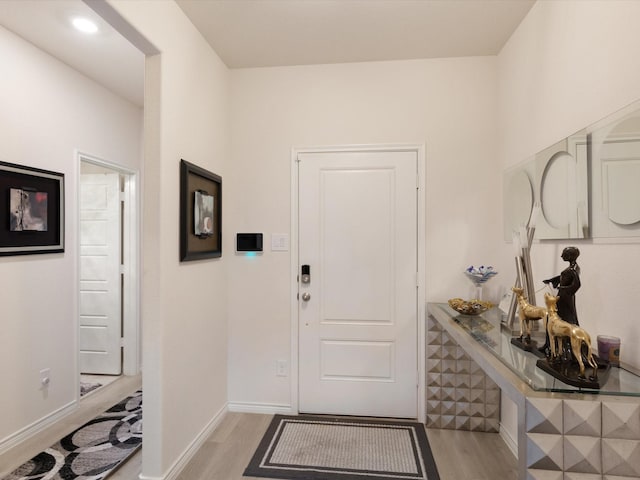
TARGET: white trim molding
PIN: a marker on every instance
(511, 442)
(191, 450)
(262, 408)
(30, 431)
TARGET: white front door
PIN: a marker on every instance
(358, 312)
(100, 284)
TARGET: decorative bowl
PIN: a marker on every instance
(470, 307)
(480, 275)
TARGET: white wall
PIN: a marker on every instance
(447, 104)
(48, 111)
(183, 305)
(568, 65)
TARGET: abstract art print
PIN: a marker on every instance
(27, 210)
(203, 214)
(200, 213)
(31, 210)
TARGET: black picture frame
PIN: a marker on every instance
(31, 210)
(198, 242)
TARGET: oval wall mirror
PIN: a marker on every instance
(518, 189)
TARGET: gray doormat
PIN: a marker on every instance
(93, 451)
(342, 448)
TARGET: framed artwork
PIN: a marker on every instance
(31, 210)
(200, 213)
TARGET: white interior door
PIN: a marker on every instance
(358, 313)
(100, 279)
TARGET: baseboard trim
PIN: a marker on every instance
(186, 456)
(264, 408)
(37, 427)
(509, 440)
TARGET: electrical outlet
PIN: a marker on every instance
(282, 368)
(45, 377)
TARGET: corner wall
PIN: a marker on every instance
(48, 111)
(184, 305)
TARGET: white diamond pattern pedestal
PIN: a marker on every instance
(460, 396)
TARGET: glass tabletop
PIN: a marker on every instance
(488, 330)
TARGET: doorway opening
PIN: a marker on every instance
(108, 312)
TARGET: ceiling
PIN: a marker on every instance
(261, 33)
(106, 57)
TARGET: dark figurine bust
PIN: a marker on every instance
(567, 283)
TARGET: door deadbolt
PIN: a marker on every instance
(306, 274)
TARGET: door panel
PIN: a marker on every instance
(357, 360)
(100, 283)
(358, 329)
(358, 202)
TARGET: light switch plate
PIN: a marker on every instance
(279, 242)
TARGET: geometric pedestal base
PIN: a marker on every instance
(569, 372)
(460, 396)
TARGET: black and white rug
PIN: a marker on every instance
(92, 451)
(333, 448)
(88, 387)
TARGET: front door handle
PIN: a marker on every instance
(306, 296)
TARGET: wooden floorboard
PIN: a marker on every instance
(226, 453)
(471, 455)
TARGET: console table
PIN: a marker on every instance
(564, 432)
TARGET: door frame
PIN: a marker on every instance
(131, 331)
(419, 149)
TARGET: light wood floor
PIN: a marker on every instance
(226, 453)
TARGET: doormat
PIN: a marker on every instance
(93, 451)
(342, 448)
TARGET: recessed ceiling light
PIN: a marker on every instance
(84, 25)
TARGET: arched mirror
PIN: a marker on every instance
(615, 166)
(557, 180)
(587, 185)
(518, 198)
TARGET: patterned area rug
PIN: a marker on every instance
(94, 450)
(332, 448)
(86, 387)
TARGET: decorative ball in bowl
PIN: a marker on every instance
(470, 307)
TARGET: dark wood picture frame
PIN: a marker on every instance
(36, 227)
(198, 242)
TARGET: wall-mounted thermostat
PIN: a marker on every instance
(248, 242)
